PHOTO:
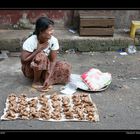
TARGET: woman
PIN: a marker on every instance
(39, 57)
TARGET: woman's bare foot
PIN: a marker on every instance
(36, 85)
(44, 89)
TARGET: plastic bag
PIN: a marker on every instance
(95, 79)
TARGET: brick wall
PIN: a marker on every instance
(66, 18)
(10, 17)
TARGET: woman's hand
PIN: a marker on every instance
(46, 86)
(42, 46)
(46, 83)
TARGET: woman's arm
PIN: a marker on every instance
(28, 56)
(53, 57)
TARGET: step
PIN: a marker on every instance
(12, 40)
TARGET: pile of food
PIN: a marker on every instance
(55, 107)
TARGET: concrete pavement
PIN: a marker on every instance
(118, 106)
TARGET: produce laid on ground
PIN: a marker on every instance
(54, 107)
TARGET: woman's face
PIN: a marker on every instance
(46, 35)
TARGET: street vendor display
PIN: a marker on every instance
(55, 107)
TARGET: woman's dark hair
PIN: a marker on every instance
(42, 24)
